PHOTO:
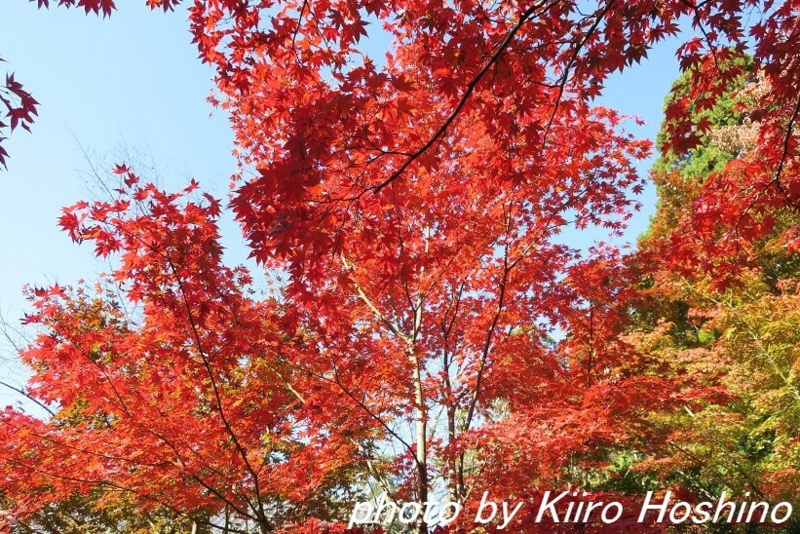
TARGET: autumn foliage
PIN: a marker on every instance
(430, 333)
(20, 108)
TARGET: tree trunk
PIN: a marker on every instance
(422, 448)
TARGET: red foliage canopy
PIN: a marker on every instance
(413, 203)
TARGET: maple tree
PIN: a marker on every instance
(727, 315)
(412, 204)
(466, 108)
(723, 317)
(168, 381)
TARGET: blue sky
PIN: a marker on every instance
(132, 84)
